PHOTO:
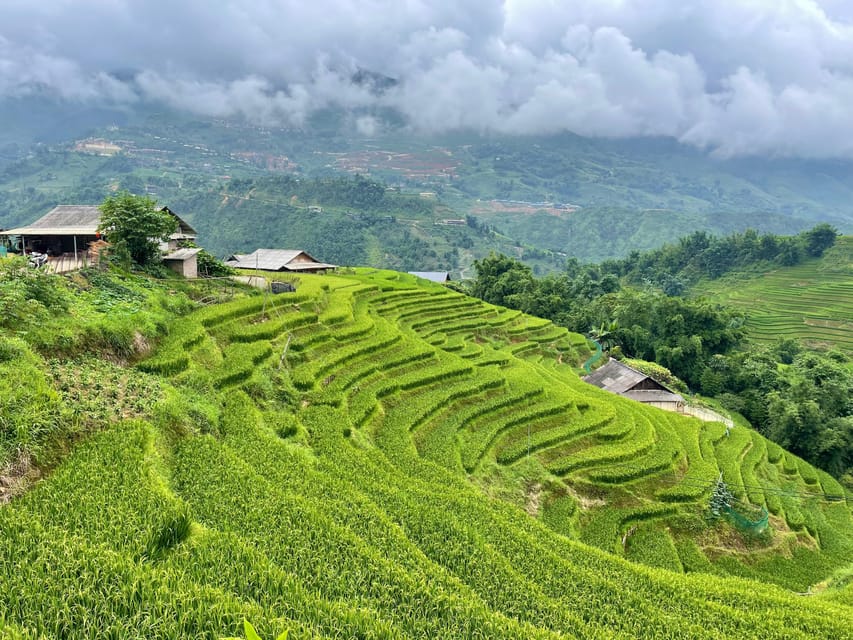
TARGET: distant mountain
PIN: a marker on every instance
(539, 198)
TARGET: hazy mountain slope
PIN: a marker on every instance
(634, 194)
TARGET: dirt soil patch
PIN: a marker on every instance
(533, 499)
(16, 477)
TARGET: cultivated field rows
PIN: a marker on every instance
(339, 493)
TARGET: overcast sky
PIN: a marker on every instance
(735, 77)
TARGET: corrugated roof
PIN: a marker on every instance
(80, 220)
(277, 260)
(181, 254)
(50, 231)
(615, 377)
(644, 395)
(434, 276)
(65, 219)
(309, 266)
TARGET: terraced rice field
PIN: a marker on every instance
(390, 460)
(812, 301)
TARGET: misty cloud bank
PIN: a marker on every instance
(764, 77)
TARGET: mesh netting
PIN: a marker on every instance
(747, 517)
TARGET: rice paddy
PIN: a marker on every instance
(374, 458)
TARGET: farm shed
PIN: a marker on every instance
(66, 232)
(433, 276)
(294, 260)
(617, 377)
(183, 261)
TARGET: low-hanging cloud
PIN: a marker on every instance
(771, 77)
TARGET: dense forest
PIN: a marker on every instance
(800, 398)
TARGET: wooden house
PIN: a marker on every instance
(626, 381)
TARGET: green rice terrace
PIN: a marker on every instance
(812, 301)
(373, 456)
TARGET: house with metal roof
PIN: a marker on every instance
(66, 233)
(617, 377)
(432, 276)
(294, 260)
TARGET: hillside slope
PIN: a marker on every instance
(322, 461)
(812, 302)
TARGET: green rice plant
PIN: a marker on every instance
(396, 354)
(807, 472)
(751, 460)
(322, 363)
(271, 329)
(616, 429)
(642, 442)
(772, 499)
(32, 414)
(515, 445)
(559, 513)
(653, 547)
(526, 324)
(420, 314)
(661, 458)
(239, 362)
(729, 452)
(691, 557)
(698, 439)
(790, 466)
(492, 358)
(793, 515)
(475, 444)
(523, 349)
(340, 523)
(438, 440)
(171, 356)
(604, 527)
(251, 634)
(830, 486)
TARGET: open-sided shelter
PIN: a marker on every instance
(66, 232)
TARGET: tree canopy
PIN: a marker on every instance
(135, 226)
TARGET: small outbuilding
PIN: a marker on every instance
(617, 377)
(293, 260)
(432, 276)
(183, 262)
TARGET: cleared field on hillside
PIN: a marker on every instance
(812, 302)
(375, 458)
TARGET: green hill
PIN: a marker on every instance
(234, 182)
(377, 457)
(812, 302)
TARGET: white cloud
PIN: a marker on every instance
(771, 77)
